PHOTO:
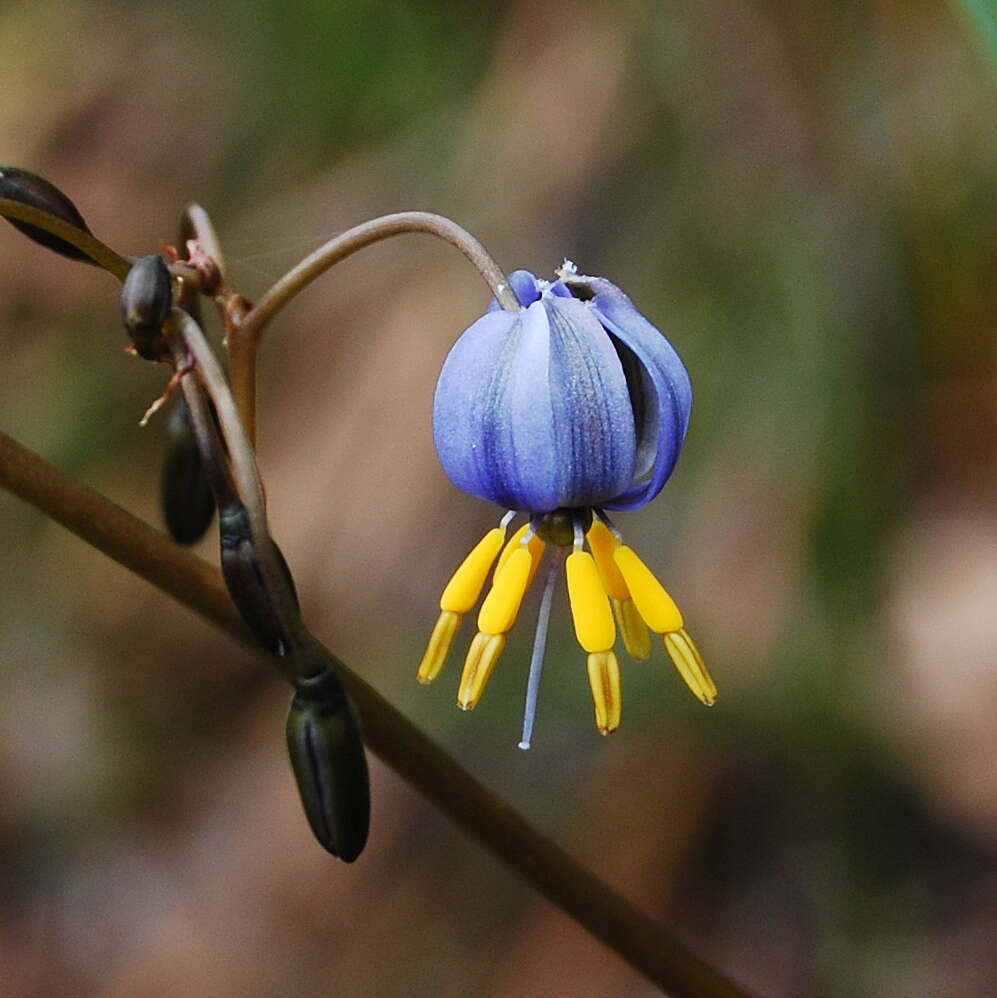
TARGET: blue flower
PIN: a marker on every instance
(575, 401)
(569, 407)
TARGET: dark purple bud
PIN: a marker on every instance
(260, 605)
(146, 300)
(325, 743)
(29, 188)
(188, 505)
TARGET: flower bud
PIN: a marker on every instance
(325, 744)
(188, 504)
(146, 300)
(254, 597)
(29, 188)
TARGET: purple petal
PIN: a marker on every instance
(528, 288)
(525, 286)
(476, 360)
(532, 410)
(597, 442)
(668, 403)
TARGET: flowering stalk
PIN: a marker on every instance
(613, 413)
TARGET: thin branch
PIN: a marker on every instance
(472, 806)
(244, 470)
(121, 536)
(207, 377)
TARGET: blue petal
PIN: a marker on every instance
(597, 440)
(528, 288)
(668, 405)
(525, 286)
(474, 358)
(532, 409)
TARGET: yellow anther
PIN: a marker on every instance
(636, 637)
(655, 605)
(511, 546)
(498, 612)
(604, 679)
(590, 608)
(603, 543)
(440, 643)
(478, 667)
(465, 587)
(691, 667)
(534, 545)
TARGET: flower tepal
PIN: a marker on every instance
(572, 406)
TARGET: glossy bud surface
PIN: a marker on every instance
(325, 744)
(248, 587)
(188, 505)
(146, 300)
(29, 188)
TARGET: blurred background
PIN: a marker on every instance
(802, 195)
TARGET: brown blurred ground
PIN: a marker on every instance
(803, 196)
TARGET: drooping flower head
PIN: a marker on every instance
(569, 407)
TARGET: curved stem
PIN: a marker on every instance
(347, 243)
(244, 338)
(206, 437)
(244, 470)
(626, 930)
(85, 242)
(217, 471)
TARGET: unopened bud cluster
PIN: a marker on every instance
(323, 728)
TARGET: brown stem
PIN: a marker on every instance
(242, 375)
(473, 807)
(242, 463)
(243, 460)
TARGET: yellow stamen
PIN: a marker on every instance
(603, 543)
(604, 679)
(440, 643)
(478, 667)
(590, 608)
(691, 667)
(511, 546)
(650, 596)
(465, 587)
(534, 545)
(498, 612)
(636, 637)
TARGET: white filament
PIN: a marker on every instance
(539, 646)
